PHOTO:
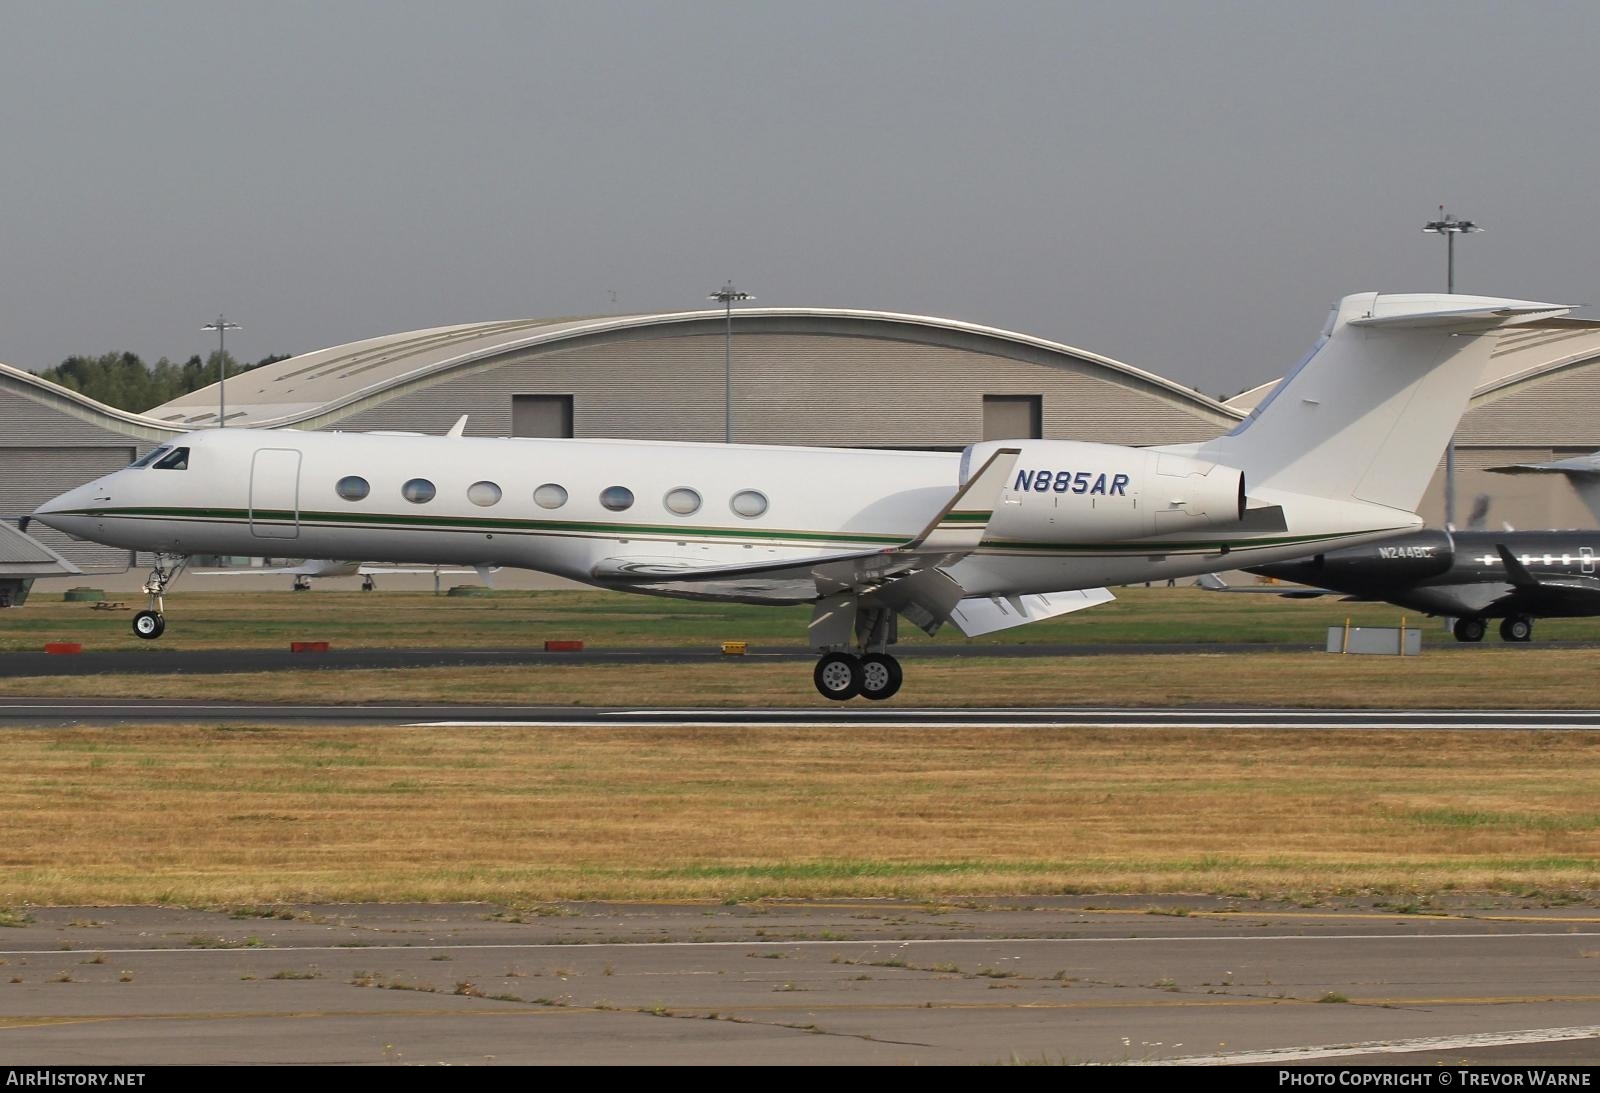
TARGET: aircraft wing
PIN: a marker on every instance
(1213, 583)
(908, 578)
(1553, 594)
(789, 580)
(950, 536)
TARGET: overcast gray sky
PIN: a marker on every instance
(1183, 186)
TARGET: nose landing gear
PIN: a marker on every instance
(151, 623)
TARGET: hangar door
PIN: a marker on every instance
(275, 494)
(31, 476)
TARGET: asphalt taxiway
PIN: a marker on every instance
(1059, 979)
(220, 661)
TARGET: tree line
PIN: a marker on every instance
(126, 382)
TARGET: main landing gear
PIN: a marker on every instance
(854, 639)
(841, 676)
(1516, 628)
(151, 623)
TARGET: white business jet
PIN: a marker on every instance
(1008, 532)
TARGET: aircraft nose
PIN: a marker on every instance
(71, 512)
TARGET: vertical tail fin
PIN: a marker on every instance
(1366, 415)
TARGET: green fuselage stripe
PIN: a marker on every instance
(392, 522)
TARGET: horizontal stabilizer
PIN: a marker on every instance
(977, 615)
(1576, 465)
(1485, 311)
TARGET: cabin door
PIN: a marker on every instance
(275, 494)
(1586, 556)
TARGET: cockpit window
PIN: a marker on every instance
(151, 456)
(175, 460)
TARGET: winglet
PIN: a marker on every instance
(1520, 577)
(460, 427)
(961, 524)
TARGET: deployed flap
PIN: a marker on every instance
(985, 614)
(926, 598)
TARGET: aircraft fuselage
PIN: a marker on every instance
(1463, 574)
(565, 506)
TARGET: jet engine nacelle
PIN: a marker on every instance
(1081, 492)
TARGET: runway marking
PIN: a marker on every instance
(1339, 916)
(1035, 723)
(1384, 1047)
(356, 948)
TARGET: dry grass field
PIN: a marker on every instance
(238, 815)
(241, 815)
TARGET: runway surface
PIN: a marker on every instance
(23, 712)
(1060, 979)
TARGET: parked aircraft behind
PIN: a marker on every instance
(1582, 473)
(1468, 576)
(1008, 532)
(314, 568)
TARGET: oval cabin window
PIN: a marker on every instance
(749, 503)
(483, 494)
(683, 501)
(550, 496)
(419, 491)
(616, 498)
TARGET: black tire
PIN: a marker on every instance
(838, 676)
(1469, 629)
(1516, 628)
(149, 625)
(880, 676)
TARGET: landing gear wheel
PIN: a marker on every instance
(1516, 628)
(1468, 629)
(880, 676)
(149, 625)
(838, 676)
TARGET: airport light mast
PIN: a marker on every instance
(727, 294)
(1449, 227)
(222, 326)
